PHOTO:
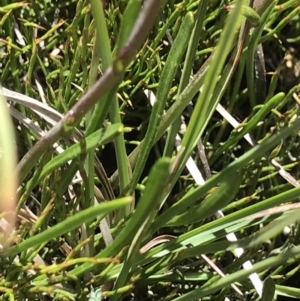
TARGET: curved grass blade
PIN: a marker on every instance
(71, 223)
(222, 196)
(46, 112)
(205, 239)
(149, 202)
(250, 125)
(138, 225)
(96, 139)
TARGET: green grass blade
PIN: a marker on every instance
(129, 18)
(205, 104)
(102, 107)
(237, 276)
(204, 107)
(96, 139)
(254, 41)
(288, 291)
(250, 125)
(187, 72)
(268, 290)
(101, 33)
(147, 204)
(168, 74)
(67, 225)
(203, 236)
(147, 207)
(195, 193)
(222, 196)
(275, 228)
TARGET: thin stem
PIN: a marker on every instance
(111, 77)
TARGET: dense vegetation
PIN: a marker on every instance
(136, 123)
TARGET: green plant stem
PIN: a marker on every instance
(186, 72)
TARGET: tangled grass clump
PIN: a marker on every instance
(157, 150)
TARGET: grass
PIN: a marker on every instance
(132, 184)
